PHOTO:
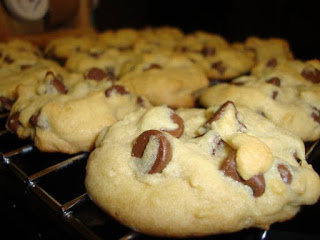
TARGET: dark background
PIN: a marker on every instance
(296, 21)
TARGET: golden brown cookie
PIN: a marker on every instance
(163, 78)
(234, 169)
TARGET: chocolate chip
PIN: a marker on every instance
(96, 74)
(164, 151)
(274, 94)
(57, 82)
(219, 67)
(275, 81)
(312, 75)
(153, 66)
(110, 73)
(179, 130)
(217, 142)
(229, 167)
(316, 115)
(285, 174)
(272, 62)
(25, 66)
(208, 51)
(117, 89)
(51, 55)
(251, 49)
(220, 112)
(184, 49)
(256, 183)
(96, 54)
(140, 101)
(6, 103)
(237, 83)
(34, 119)
(295, 155)
(7, 59)
(13, 122)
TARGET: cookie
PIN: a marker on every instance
(20, 45)
(121, 39)
(164, 78)
(274, 97)
(99, 64)
(69, 122)
(266, 48)
(41, 86)
(215, 56)
(291, 72)
(61, 48)
(27, 75)
(232, 169)
(152, 39)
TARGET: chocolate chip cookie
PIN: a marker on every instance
(197, 172)
(165, 78)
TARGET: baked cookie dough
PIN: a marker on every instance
(291, 72)
(215, 56)
(197, 172)
(61, 48)
(28, 75)
(69, 122)
(165, 78)
(293, 108)
(266, 48)
(99, 64)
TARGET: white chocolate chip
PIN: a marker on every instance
(252, 157)
(158, 118)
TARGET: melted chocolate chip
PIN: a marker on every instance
(285, 174)
(275, 81)
(312, 75)
(25, 66)
(179, 130)
(219, 67)
(164, 151)
(220, 112)
(57, 82)
(51, 55)
(153, 66)
(316, 115)
(140, 101)
(6, 103)
(7, 59)
(96, 54)
(13, 122)
(217, 142)
(33, 121)
(110, 73)
(274, 94)
(272, 62)
(96, 74)
(295, 155)
(208, 51)
(256, 183)
(117, 89)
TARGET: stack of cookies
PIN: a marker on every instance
(189, 134)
